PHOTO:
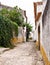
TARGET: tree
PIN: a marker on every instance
(28, 30)
(16, 16)
(4, 12)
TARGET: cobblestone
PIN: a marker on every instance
(22, 54)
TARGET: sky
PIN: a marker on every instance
(25, 5)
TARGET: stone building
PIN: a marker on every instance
(42, 24)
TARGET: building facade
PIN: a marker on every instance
(43, 30)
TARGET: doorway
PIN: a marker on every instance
(39, 37)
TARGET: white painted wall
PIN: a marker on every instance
(46, 32)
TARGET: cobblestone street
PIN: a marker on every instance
(22, 54)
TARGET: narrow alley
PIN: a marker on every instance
(22, 54)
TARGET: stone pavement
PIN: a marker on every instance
(22, 54)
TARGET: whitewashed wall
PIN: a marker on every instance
(39, 9)
(46, 31)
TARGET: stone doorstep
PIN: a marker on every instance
(2, 50)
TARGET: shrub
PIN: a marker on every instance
(9, 22)
(15, 28)
(5, 32)
(28, 30)
(16, 16)
(28, 26)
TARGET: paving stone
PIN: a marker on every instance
(22, 54)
